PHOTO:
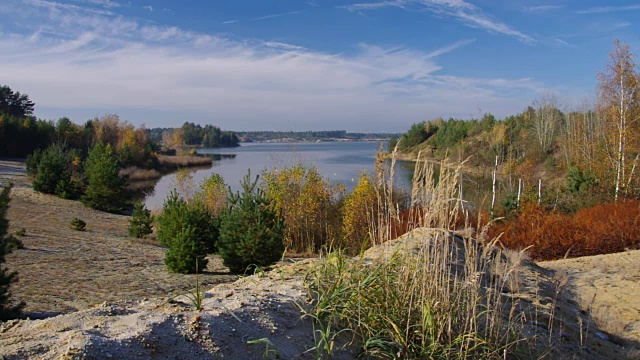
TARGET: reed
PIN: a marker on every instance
(183, 161)
(429, 294)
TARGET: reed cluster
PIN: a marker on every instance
(429, 294)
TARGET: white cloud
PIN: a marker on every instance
(148, 7)
(543, 8)
(113, 64)
(465, 12)
(271, 16)
(608, 9)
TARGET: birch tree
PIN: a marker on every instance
(619, 104)
(546, 120)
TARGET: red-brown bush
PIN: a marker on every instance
(602, 229)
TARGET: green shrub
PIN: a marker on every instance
(105, 190)
(32, 162)
(52, 175)
(7, 309)
(77, 224)
(251, 230)
(21, 232)
(178, 215)
(185, 256)
(140, 222)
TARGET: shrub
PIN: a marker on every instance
(358, 214)
(21, 232)
(251, 230)
(308, 205)
(185, 256)
(601, 229)
(32, 162)
(140, 222)
(213, 194)
(105, 190)
(7, 309)
(78, 224)
(52, 175)
(178, 215)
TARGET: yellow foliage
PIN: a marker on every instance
(359, 211)
(307, 203)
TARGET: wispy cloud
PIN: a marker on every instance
(104, 3)
(543, 8)
(467, 13)
(230, 22)
(57, 6)
(271, 16)
(148, 7)
(161, 75)
(608, 9)
(450, 48)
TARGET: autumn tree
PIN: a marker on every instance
(545, 121)
(619, 103)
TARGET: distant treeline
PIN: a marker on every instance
(191, 134)
(248, 136)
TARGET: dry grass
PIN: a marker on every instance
(174, 162)
(134, 173)
(429, 294)
(62, 270)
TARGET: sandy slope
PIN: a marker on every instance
(608, 286)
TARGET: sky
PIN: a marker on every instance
(355, 65)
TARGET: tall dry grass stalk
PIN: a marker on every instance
(429, 294)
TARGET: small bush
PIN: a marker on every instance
(21, 232)
(13, 243)
(185, 256)
(178, 215)
(77, 224)
(358, 214)
(308, 205)
(251, 230)
(140, 222)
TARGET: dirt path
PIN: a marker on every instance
(62, 270)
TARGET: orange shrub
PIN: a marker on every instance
(602, 229)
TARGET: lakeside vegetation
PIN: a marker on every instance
(566, 180)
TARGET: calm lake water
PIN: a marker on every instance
(336, 161)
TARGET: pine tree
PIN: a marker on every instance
(251, 230)
(186, 247)
(7, 310)
(52, 176)
(140, 222)
(105, 190)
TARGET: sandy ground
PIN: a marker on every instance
(115, 293)
(62, 270)
(608, 287)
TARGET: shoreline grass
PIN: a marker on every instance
(430, 293)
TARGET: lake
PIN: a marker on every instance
(336, 161)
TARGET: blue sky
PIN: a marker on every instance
(368, 65)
